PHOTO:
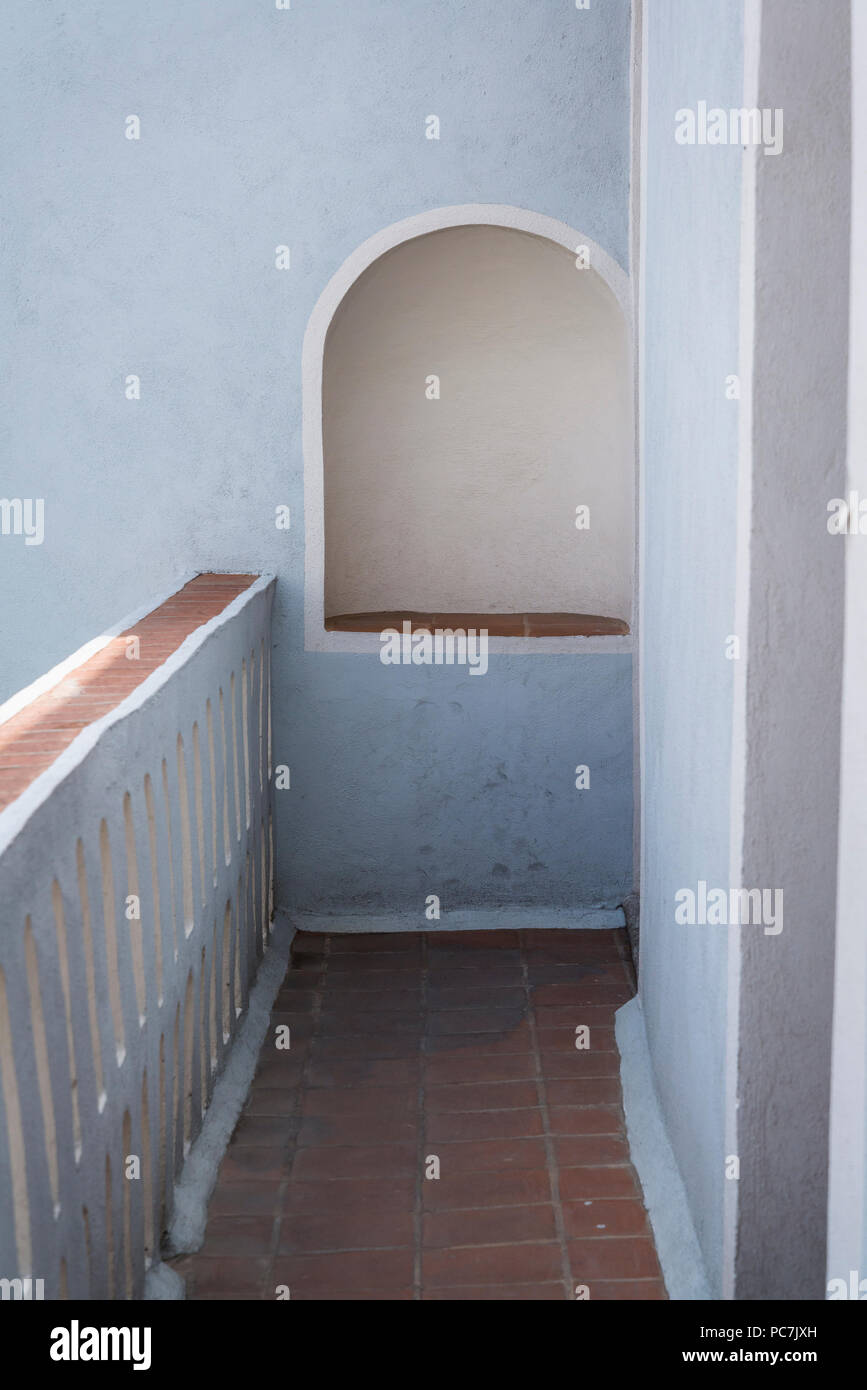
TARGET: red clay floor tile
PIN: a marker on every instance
(435, 1133)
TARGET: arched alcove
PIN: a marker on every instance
(474, 390)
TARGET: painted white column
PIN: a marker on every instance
(737, 791)
(794, 646)
(847, 1188)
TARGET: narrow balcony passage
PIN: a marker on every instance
(449, 1053)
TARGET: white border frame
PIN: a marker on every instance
(437, 219)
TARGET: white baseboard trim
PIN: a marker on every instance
(653, 1158)
(199, 1174)
(466, 919)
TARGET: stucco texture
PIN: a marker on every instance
(690, 457)
(156, 257)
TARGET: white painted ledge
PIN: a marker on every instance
(199, 1173)
(15, 816)
(653, 1158)
(24, 697)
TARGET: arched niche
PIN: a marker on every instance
(472, 387)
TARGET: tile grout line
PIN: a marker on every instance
(550, 1156)
(283, 1187)
(418, 1214)
(421, 1094)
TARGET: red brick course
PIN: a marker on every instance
(33, 738)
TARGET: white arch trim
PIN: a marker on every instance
(437, 219)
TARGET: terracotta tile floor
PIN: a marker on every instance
(456, 1047)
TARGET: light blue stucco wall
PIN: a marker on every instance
(464, 786)
(690, 458)
(304, 127)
